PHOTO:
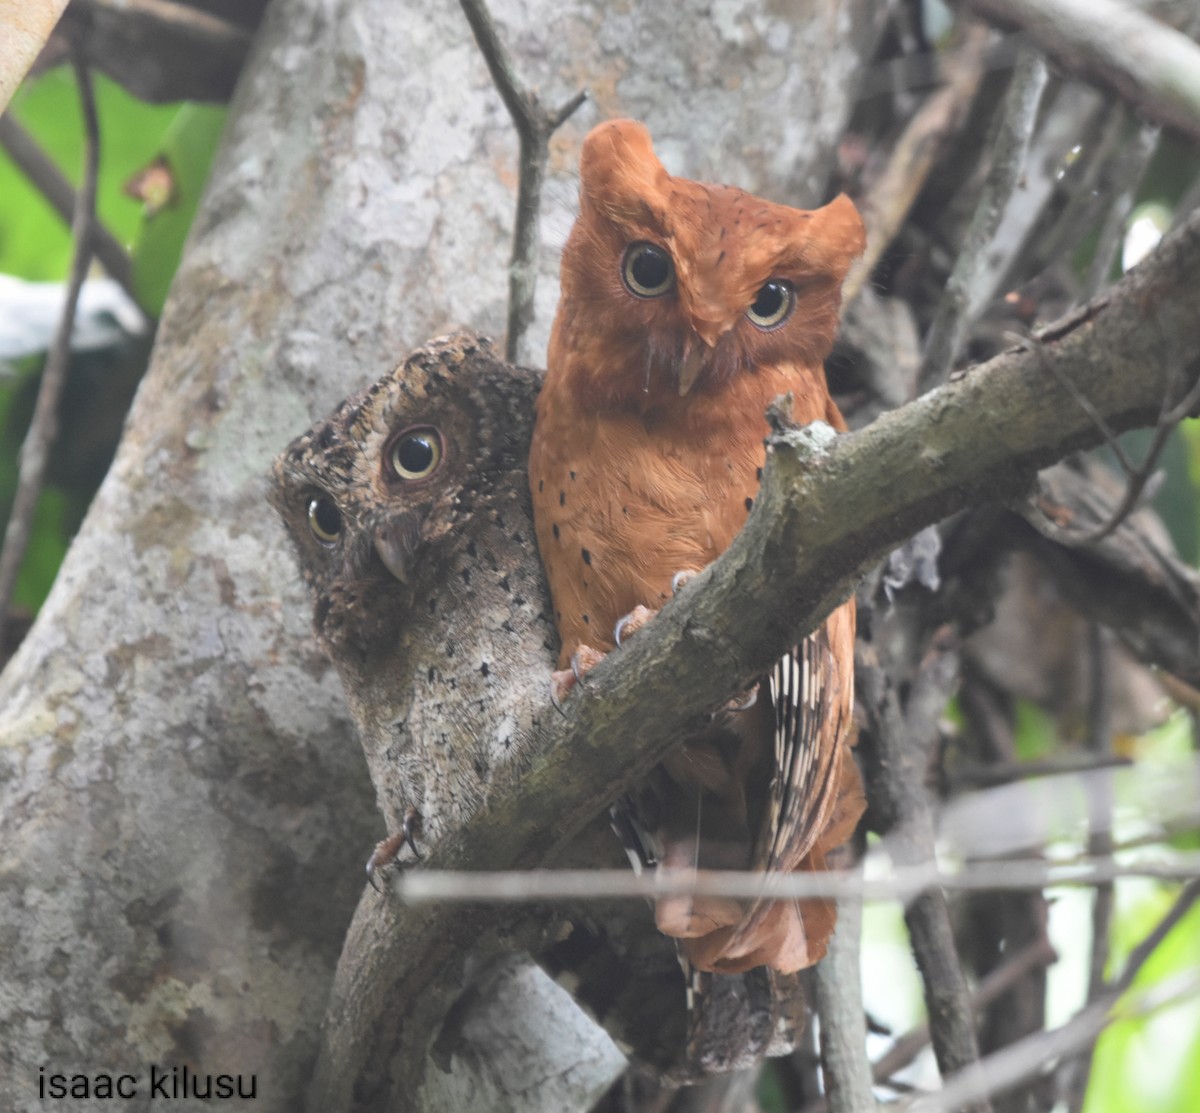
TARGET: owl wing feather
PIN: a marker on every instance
(805, 782)
(808, 755)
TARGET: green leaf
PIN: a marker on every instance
(35, 243)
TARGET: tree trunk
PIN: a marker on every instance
(184, 808)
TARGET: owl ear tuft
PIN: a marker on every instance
(838, 235)
(620, 173)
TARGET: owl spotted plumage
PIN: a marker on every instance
(410, 519)
(686, 310)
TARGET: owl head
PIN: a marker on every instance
(693, 283)
(394, 477)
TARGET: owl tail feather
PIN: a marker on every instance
(725, 936)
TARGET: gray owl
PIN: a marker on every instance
(410, 519)
(409, 509)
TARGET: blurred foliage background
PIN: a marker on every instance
(154, 161)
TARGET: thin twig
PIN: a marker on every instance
(886, 206)
(1133, 157)
(1100, 842)
(901, 801)
(43, 427)
(1171, 413)
(422, 886)
(535, 125)
(969, 286)
(1149, 63)
(1037, 1053)
(989, 776)
(843, 1019)
(39, 168)
(998, 982)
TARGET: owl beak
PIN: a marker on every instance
(689, 369)
(395, 542)
(695, 355)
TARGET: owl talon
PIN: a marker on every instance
(561, 683)
(680, 578)
(583, 660)
(631, 623)
(387, 850)
(748, 700)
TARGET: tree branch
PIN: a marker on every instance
(915, 154)
(1032, 1056)
(40, 169)
(535, 124)
(43, 427)
(970, 283)
(902, 743)
(843, 1019)
(1151, 65)
(829, 508)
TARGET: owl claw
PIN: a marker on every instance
(583, 660)
(631, 623)
(387, 850)
(748, 700)
(680, 578)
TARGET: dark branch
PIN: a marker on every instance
(535, 125)
(970, 284)
(1153, 66)
(43, 427)
(902, 743)
(1032, 1056)
(39, 168)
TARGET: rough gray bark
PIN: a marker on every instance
(184, 810)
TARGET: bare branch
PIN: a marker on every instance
(535, 125)
(162, 50)
(998, 982)
(904, 884)
(982, 776)
(887, 204)
(902, 801)
(969, 285)
(1172, 411)
(1100, 841)
(40, 169)
(1033, 1056)
(1130, 166)
(843, 1019)
(1152, 65)
(43, 427)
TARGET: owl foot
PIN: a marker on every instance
(681, 577)
(639, 616)
(744, 701)
(387, 851)
(583, 660)
(632, 622)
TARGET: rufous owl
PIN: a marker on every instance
(686, 309)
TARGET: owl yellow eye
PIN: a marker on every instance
(773, 305)
(647, 270)
(416, 453)
(324, 519)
